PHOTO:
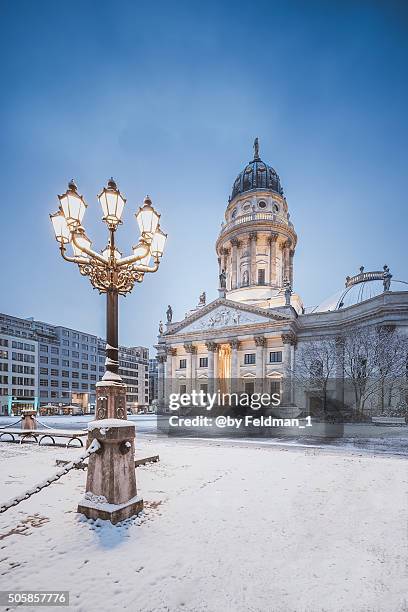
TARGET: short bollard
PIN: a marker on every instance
(111, 492)
(28, 419)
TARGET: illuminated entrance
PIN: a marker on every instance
(17, 404)
(224, 367)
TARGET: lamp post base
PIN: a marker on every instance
(94, 509)
(111, 492)
(110, 400)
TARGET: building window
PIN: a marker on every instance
(43, 348)
(42, 359)
(43, 370)
(203, 362)
(183, 363)
(65, 352)
(54, 349)
(261, 276)
(3, 342)
(275, 357)
(3, 354)
(249, 358)
(43, 382)
(75, 354)
(183, 389)
(54, 372)
(262, 204)
(275, 387)
(54, 361)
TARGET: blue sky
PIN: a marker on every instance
(167, 98)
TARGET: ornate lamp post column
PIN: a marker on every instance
(111, 482)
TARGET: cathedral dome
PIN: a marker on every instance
(359, 288)
(256, 175)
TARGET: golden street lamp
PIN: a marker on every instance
(111, 491)
(108, 271)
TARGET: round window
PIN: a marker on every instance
(262, 204)
(275, 208)
(234, 214)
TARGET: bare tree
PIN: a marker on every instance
(316, 367)
(375, 364)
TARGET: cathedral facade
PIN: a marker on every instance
(255, 328)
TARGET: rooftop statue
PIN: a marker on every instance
(169, 314)
(387, 276)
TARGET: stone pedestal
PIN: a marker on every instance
(28, 419)
(111, 492)
(110, 400)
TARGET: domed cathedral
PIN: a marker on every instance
(257, 328)
(257, 241)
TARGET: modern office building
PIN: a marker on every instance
(46, 364)
(18, 366)
(134, 370)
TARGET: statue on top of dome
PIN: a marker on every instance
(256, 148)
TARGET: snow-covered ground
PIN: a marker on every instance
(228, 526)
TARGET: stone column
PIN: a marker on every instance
(252, 263)
(211, 348)
(235, 344)
(190, 370)
(161, 360)
(260, 343)
(272, 258)
(291, 254)
(289, 341)
(286, 271)
(234, 244)
(169, 371)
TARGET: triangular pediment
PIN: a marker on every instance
(222, 314)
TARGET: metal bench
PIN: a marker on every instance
(41, 434)
(384, 420)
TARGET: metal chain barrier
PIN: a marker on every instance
(11, 424)
(48, 427)
(93, 448)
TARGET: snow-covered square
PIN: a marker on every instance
(227, 526)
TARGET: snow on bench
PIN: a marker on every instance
(384, 420)
(41, 434)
